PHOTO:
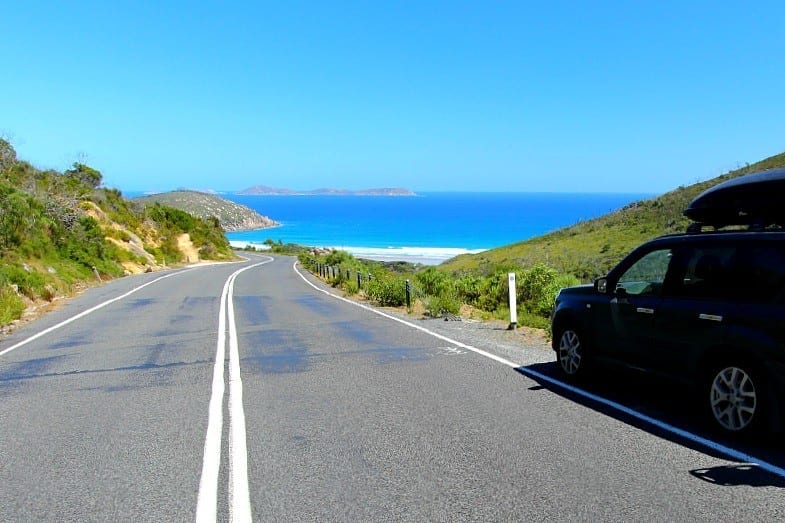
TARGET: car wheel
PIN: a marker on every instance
(736, 397)
(572, 352)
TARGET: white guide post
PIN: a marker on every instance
(513, 302)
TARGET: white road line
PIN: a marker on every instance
(727, 451)
(239, 498)
(207, 502)
(88, 311)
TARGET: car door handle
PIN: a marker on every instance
(644, 310)
(710, 317)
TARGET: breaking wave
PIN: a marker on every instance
(424, 255)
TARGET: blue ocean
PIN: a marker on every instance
(428, 228)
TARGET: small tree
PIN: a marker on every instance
(85, 174)
(7, 155)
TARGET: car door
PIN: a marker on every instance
(695, 309)
(727, 293)
(632, 310)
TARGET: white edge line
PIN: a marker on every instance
(731, 453)
(87, 312)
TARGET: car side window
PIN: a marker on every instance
(646, 276)
(707, 272)
(759, 273)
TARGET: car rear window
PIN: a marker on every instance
(759, 273)
(747, 272)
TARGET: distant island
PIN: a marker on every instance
(263, 190)
(232, 216)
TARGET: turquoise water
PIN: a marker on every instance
(428, 228)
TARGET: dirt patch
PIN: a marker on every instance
(95, 212)
(134, 268)
(186, 246)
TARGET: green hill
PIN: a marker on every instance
(232, 216)
(62, 231)
(590, 248)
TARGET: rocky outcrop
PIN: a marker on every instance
(252, 223)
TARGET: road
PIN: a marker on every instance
(319, 409)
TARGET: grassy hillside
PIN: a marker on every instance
(62, 231)
(232, 216)
(590, 248)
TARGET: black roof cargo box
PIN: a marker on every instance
(754, 199)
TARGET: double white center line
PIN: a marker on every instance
(239, 499)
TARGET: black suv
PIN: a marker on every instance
(706, 307)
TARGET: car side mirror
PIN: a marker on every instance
(601, 285)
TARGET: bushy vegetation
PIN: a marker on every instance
(386, 289)
(54, 231)
(438, 291)
(11, 305)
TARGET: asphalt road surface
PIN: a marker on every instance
(211, 394)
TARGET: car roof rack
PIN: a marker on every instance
(755, 201)
(703, 228)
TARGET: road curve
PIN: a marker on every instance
(337, 414)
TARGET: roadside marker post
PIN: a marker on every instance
(513, 303)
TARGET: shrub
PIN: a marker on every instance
(29, 282)
(494, 292)
(539, 286)
(469, 289)
(435, 305)
(338, 258)
(7, 155)
(11, 305)
(291, 249)
(435, 282)
(84, 174)
(534, 286)
(350, 287)
(19, 214)
(386, 290)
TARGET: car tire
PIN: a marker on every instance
(572, 352)
(735, 397)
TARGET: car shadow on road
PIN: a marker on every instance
(672, 405)
(735, 475)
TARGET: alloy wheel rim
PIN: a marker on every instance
(570, 352)
(733, 398)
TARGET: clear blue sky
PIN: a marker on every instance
(452, 95)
